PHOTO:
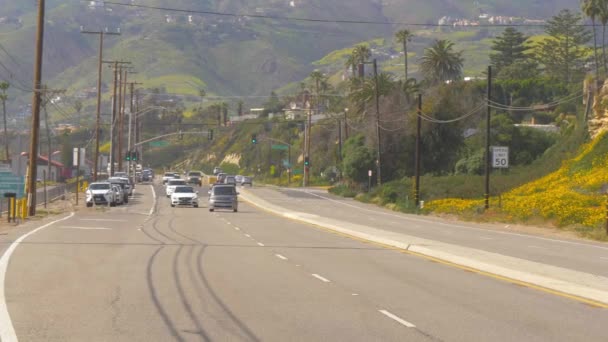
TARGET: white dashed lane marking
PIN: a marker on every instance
(325, 280)
(396, 318)
(281, 257)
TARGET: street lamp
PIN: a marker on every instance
(377, 92)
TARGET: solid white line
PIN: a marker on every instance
(532, 246)
(457, 225)
(85, 228)
(237, 228)
(247, 235)
(260, 244)
(486, 238)
(281, 257)
(325, 280)
(103, 220)
(396, 318)
(604, 258)
(154, 203)
(7, 331)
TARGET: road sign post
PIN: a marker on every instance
(500, 157)
(369, 180)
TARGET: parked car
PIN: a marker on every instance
(120, 174)
(184, 195)
(195, 177)
(216, 171)
(238, 178)
(125, 186)
(147, 176)
(167, 176)
(172, 184)
(223, 196)
(230, 180)
(246, 180)
(100, 193)
(119, 194)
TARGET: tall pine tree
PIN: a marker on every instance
(509, 48)
(565, 52)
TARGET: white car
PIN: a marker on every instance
(172, 184)
(168, 176)
(119, 194)
(100, 193)
(184, 195)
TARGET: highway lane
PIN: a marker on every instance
(190, 275)
(577, 255)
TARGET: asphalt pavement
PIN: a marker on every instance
(149, 272)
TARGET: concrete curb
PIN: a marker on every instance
(585, 286)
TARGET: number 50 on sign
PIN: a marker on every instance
(500, 157)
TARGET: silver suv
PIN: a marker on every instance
(223, 196)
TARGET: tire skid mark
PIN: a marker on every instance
(183, 297)
(245, 330)
(157, 304)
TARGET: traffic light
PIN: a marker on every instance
(254, 138)
(128, 156)
(306, 161)
(210, 135)
(134, 155)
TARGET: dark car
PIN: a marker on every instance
(223, 196)
(195, 177)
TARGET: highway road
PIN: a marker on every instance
(584, 256)
(149, 272)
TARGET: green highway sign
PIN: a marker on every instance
(11, 183)
(160, 143)
(280, 147)
(297, 172)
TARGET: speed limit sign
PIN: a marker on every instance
(500, 157)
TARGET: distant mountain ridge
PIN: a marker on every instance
(226, 55)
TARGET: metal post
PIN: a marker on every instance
(418, 151)
(339, 140)
(290, 169)
(488, 157)
(44, 184)
(77, 174)
(377, 91)
(31, 188)
(129, 147)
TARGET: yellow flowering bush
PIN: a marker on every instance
(571, 195)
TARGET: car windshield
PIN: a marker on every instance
(100, 186)
(177, 182)
(169, 174)
(194, 174)
(224, 190)
(184, 190)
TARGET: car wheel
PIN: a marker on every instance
(211, 209)
(89, 205)
(235, 210)
(112, 204)
(172, 205)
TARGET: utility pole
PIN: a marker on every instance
(121, 113)
(418, 152)
(98, 114)
(48, 97)
(307, 154)
(377, 91)
(488, 156)
(115, 66)
(33, 157)
(131, 118)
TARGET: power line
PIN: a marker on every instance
(314, 20)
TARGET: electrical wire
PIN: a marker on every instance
(313, 20)
(429, 118)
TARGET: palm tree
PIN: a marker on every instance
(403, 37)
(591, 8)
(603, 15)
(317, 78)
(363, 91)
(361, 53)
(3, 97)
(441, 63)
